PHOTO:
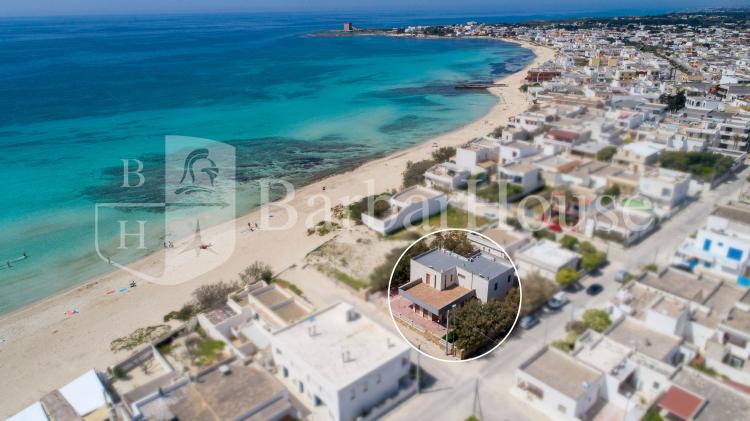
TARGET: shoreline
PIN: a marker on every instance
(61, 347)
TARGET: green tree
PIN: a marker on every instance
(476, 323)
(443, 154)
(414, 173)
(567, 276)
(569, 242)
(212, 296)
(596, 319)
(455, 241)
(257, 271)
(586, 247)
(593, 261)
(606, 153)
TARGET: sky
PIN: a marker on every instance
(500, 7)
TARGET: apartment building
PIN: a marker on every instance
(342, 364)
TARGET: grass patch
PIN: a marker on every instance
(456, 218)
(567, 344)
(139, 336)
(288, 285)
(347, 279)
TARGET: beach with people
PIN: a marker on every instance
(49, 342)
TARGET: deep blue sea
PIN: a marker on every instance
(77, 95)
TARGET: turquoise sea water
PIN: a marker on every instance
(77, 95)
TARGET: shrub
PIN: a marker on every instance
(576, 326)
(567, 276)
(593, 261)
(185, 313)
(606, 153)
(569, 242)
(703, 165)
(596, 319)
(443, 154)
(513, 222)
(651, 267)
(374, 205)
(257, 271)
(138, 337)
(212, 296)
(544, 234)
(414, 173)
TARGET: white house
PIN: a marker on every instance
(509, 240)
(446, 175)
(523, 174)
(545, 258)
(666, 187)
(407, 207)
(514, 151)
(440, 280)
(343, 364)
(722, 246)
(83, 398)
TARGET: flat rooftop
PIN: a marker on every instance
(548, 254)
(736, 213)
(738, 320)
(625, 219)
(482, 264)
(720, 303)
(646, 341)
(369, 344)
(424, 294)
(723, 402)
(218, 396)
(682, 284)
(416, 194)
(561, 372)
(270, 297)
(504, 237)
(601, 352)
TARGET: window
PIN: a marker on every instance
(286, 372)
(495, 286)
(666, 192)
(353, 395)
(427, 278)
(656, 385)
(379, 378)
(735, 362)
(562, 408)
(364, 389)
(734, 254)
(707, 245)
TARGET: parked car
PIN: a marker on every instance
(557, 301)
(574, 287)
(527, 322)
(683, 267)
(621, 276)
(594, 289)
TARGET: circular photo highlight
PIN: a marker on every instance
(455, 295)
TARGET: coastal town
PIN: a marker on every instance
(610, 186)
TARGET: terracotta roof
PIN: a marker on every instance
(681, 403)
(566, 135)
(435, 298)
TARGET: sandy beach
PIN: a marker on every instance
(42, 348)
